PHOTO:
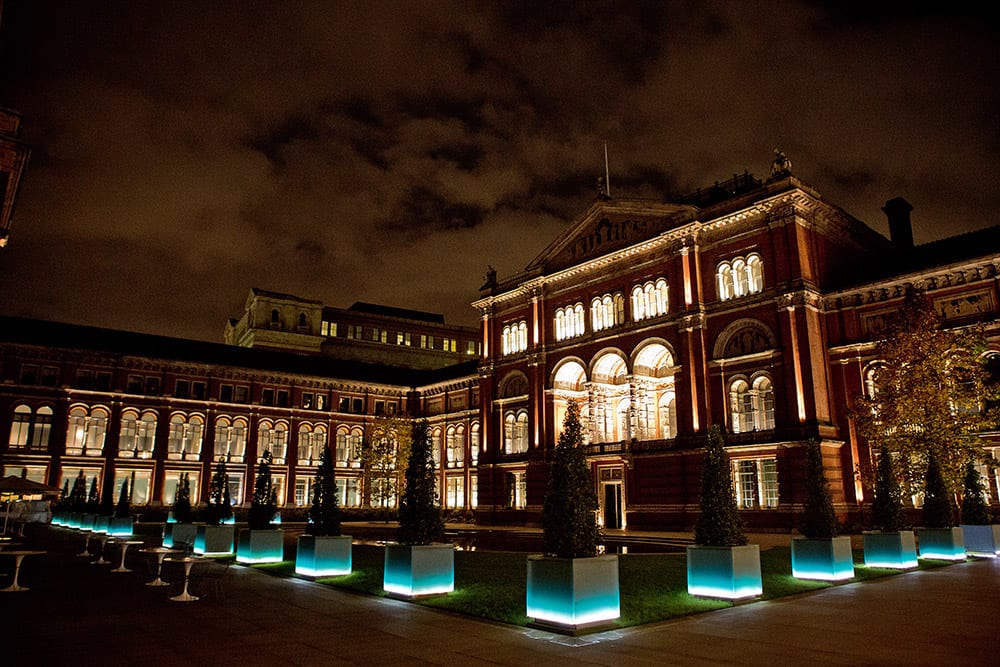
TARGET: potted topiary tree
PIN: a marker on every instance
(571, 589)
(120, 523)
(180, 528)
(90, 511)
(721, 564)
(939, 537)
(418, 563)
(323, 551)
(215, 536)
(821, 553)
(78, 501)
(980, 534)
(261, 543)
(891, 544)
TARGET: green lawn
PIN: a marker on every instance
(491, 584)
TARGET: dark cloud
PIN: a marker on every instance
(387, 151)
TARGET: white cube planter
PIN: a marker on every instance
(261, 546)
(216, 540)
(827, 559)
(732, 573)
(323, 556)
(981, 540)
(419, 569)
(573, 595)
(941, 543)
(896, 550)
(120, 526)
(176, 535)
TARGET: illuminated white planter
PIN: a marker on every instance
(573, 595)
(732, 573)
(261, 546)
(176, 535)
(120, 526)
(981, 540)
(419, 569)
(216, 540)
(101, 524)
(323, 555)
(87, 521)
(941, 543)
(896, 549)
(828, 559)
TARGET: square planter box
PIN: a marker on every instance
(419, 569)
(981, 540)
(120, 526)
(896, 549)
(573, 595)
(941, 543)
(101, 524)
(732, 573)
(829, 559)
(261, 546)
(213, 539)
(87, 521)
(176, 535)
(323, 556)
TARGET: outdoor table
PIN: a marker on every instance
(86, 545)
(18, 557)
(188, 561)
(159, 552)
(125, 545)
(103, 539)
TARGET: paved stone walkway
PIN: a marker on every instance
(80, 614)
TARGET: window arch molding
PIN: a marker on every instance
(653, 357)
(569, 373)
(744, 336)
(609, 366)
(512, 385)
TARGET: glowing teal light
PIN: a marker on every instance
(573, 592)
(825, 560)
(896, 550)
(419, 570)
(218, 543)
(260, 546)
(731, 573)
(323, 557)
(941, 544)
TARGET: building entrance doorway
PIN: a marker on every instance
(612, 498)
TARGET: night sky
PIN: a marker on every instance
(184, 152)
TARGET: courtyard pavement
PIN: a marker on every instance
(81, 614)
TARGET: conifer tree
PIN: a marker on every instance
(818, 518)
(264, 503)
(182, 499)
(569, 511)
(887, 506)
(420, 520)
(939, 507)
(324, 515)
(218, 508)
(122, 509)
(107, 505)
(92, 497)
(719, 524)
(78, 496)
(975, 511)
(384, 459)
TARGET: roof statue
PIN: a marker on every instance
(781, 166)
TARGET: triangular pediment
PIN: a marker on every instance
(607, 226)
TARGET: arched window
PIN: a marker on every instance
(436, 447)
(474, 444)
(455, 446)
(275, 319)
(514, 338)
(560, 330)
(668, 415)
(724, 280)
(649, 300)
(340, 454)
(638, 304)
(311, 443)
(741, 406)
(20, 427)
(185, 434)
(752, 406)
(516, 432)
(273, 437)
(740, 276)
(87, 430)
(230, 439)
(569, 322)
(302, 320)
(763, 404)
(741, 281)
(755, 271)
(607, 311)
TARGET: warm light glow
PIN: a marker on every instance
(797, 365)
(685, 263)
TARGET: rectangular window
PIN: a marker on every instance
(430, 342)
(282, 398)
(152, 386)
(307, 400)
(242, 394)
(320, 402)
(170, 480)
(517, 490)
(358, 406)
(134, 385)
(303, 488)
(226, 393)
(49, 376)
(85, 379)
(756, 482)
(267, 397)
(29, 374)
(423, 340)
(470, 347)
(379, 407)
(455, 493)
(182, 389)
(198, 390)
(345, 404)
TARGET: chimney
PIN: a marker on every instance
(900, 230)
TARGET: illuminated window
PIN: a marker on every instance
(20, 427)
(517, 490)
(751, 406)
(230, 439)
(668, 415)
(86, 431)
(474, 444)
(649, 300)
(570, 322)
(454, 492)
(436, 447)
(455, 446)
(740, 276)
(312, 442)
(607, 311)
(138, 434)
(273, 437)
(184, 436)
(514, 338)
(756, 483)
(516, 432)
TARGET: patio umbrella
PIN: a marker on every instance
(14, 486)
